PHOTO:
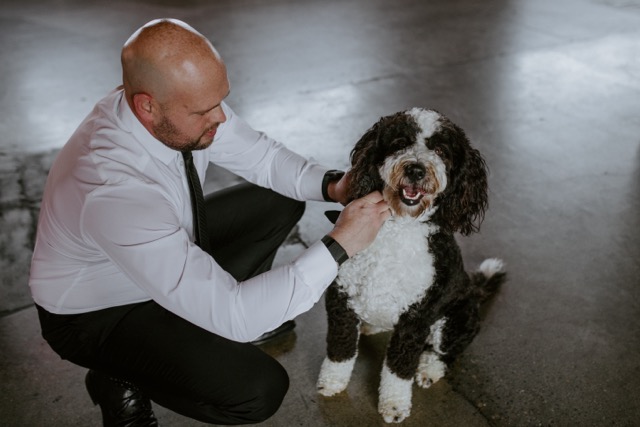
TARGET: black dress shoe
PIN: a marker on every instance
(280, 330)
(122, 403)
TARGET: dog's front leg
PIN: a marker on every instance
(401, 362)
(342, 343)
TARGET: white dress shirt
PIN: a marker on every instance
(116, 227)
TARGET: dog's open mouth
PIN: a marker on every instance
(411, 195)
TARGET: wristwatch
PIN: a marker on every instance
(329, 177)
(335, 249)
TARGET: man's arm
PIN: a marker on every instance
(264, 161)
(138, 231)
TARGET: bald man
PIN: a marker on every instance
(155, 300)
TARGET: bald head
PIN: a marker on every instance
(175, 82)
(167, 57)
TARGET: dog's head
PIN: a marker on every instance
(424, 166)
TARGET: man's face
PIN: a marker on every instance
(189, 122)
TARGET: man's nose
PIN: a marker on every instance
(218, 115)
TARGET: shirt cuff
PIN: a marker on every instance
(311, 184)
(317, 268)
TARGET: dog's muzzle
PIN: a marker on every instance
(412, 192)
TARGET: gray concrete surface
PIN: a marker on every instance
(548, 90)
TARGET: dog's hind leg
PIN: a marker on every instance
(431, 368)
(342, 343)
(448, 337)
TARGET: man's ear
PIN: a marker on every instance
(144, 107)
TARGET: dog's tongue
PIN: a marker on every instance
(411, 192)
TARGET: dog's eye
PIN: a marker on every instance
(399, 143)
(438, 151)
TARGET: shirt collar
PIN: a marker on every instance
(131, 124)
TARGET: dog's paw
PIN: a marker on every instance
(394, 412)
(334, 376)
(395, 396)
(430, 370)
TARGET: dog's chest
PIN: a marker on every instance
(391, 274)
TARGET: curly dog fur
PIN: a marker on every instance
(411, 280)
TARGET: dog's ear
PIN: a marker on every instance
(462, 205)
(365, 177)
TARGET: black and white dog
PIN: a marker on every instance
(411, 280)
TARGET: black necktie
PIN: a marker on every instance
(197, 202)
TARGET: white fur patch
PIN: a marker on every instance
(367, 329)
(334, 376)
(428, 121)
(491, 266)
(395, 396)
(430, 369)
(435, 335)
(377, 279)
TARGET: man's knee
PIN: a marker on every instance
(260, 397)
(292, 209)
(300, 207)
(268, 393)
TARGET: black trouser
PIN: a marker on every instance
(177, 364)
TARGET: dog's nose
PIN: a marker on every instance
(415, 171)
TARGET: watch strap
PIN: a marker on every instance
(329, 177)
(335, 249)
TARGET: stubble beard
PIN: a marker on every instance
(172, 137)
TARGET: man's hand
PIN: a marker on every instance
(337, 190)
(359, 222)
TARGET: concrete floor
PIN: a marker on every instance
(548, 90)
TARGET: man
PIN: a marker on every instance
(125, 279)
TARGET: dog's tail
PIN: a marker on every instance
(488, 278)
